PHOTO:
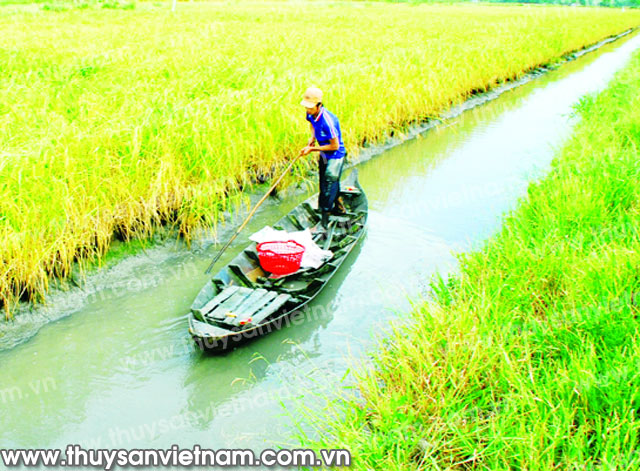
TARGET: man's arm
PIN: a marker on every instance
(307, 149)
(334, 144)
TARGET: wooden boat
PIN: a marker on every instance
(242, 301)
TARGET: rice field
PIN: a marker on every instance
(114, 122)
(528, 359)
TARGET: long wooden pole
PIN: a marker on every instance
(253, 211)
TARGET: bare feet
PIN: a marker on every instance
(338, 207)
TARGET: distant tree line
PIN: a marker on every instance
(595, 3)
(591, 3)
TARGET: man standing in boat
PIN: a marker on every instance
(325, 131)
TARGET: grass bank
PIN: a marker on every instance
(114, 122)
(529, 357)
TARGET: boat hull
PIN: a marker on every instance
(242, 292)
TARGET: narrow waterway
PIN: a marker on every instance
(120, 372)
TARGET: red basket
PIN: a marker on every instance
(280, 257)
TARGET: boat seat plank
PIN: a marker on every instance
(340, 219)
(248, 309)
(327, 242)
(252, 253)
(303, 218)
(325, 267)
(277, 280)
(230, 304)
(239, 273)
(355, 227)
(221, 285)
(312, 213)
(324, 277)
(346, 240)
(270, 308)
(294, 220)
(254, 301)
(221, 297)
(294, 286)
(202, 329)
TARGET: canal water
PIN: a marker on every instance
(120, 371)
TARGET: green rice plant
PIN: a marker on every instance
(114, 122)
(529, 357)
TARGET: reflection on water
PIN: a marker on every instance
(121, 372)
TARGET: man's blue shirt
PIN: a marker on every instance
(325, 128)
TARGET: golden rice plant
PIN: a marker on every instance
(113, 122)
